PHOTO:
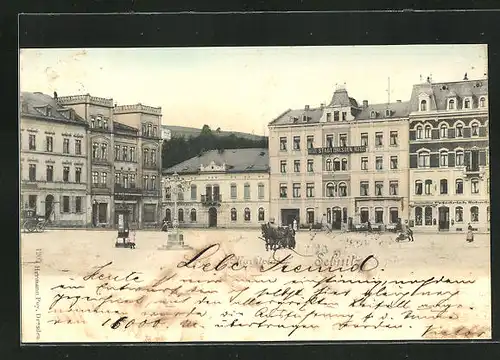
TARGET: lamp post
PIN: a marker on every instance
(175, 240)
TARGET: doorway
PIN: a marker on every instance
(444, 218)
(336, 218)
(49, 203)
(212, 217)
(288, 215)
(364, 215)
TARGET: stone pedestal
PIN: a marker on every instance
(175, 241)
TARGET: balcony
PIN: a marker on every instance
(471, 170)
(99, 161)
(150, 166)
(102, 189)
(211, 200)
(151, 192)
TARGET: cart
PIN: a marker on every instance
(31, 222)
(123, 238)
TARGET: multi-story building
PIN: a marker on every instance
(339, 161)
(53, 167)
(449, 172)
(124, 157)
(228, 188)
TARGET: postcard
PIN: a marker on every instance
(264, 194)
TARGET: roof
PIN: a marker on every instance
(35, 104)
(313, 115)
(236, 161)
(122, 127)
(397, 110)
(441, 92)
(341, 98)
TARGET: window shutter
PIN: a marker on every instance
(467, 158)
(451, 133)
(467, 132)
(482, 131)
(451, 160)
(413, 135)
(413, 161)
(482, 158)
(434, 160)
(435, 133)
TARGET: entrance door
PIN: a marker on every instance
(49, 203)
(364, 215)
(212, 217)
(103, 213)
(288, 215)
(336, 218)
(444, 218)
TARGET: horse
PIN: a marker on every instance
(277, 238)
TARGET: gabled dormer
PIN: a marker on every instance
(452, 101)
(341, 108)
(467, 102)
(424, 102)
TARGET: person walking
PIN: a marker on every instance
(409, 231)
(470, 233)
(294, 226)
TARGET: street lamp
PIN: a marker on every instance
(175, 240)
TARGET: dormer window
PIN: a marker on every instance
(336, 116)
(328, 117)
(423, 105)
(387, 112)
(304, 118)
(467, 103)
(482, 102)
(49, 111)
(451, 104)
(373, 114)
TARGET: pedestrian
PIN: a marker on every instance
(369, 225)
(294, 226)
(132, 238)
(409, 231)
(470, 233)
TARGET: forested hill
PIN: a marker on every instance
(180, 148)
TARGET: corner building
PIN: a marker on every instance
(343, 161)
(449, 161)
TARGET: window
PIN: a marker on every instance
(296, 190)
(364, 215)
(344, 115)
(95, 178)
(344, 164)
(296, 166)
(125, 153)
(283, 191)
(310, 142)
(78, 175)
(474, 214)
(50, 173)
(459, 214)
(247, 214)
(78, 204)
(423, 105)
(459, 158)
(132, 153)
(105, 123)
(153, 156)
(194, 194)
(234, 191)
(420, 132)
(283, 166)
(99, 120)
(336, 164)
(373, 114)
(443, 131)
(467, 104)
(330, 190)
(482, 102)
(261, 214)
(394, 215)
(379, 187)
(65, 146)
(451, 104)
(78, 147)
(193, 215)
(145, 156)
(310, 190)
(180, 215)
(234, 215)
(474, 186)
(155, 130)
(104, 151)
(379, 215)
(459, 130)
(428, 132)
(117, 178)
(342, 189)
(418, 216)
(32, 142)
(443, 158)
(394, 138)
(394, 162)
(145, 182)
(428, 185)
(336, 116)
(283, 143)
(379, 139)
(92, 122)
(379, 162)
(364, 163)
(104, 178)
(32, 172)
(475, 129)
(443, 186)
(459, 186)
(328, 117)
(49, 144)
(329, 141)
(310, 165)
(393, 187)
(246, 191)
(296, 143)
(343, 140)
(117, 152)
(428, 215)
(180, 193)
(260, 189)
(150, 129)
(168, 193)
(364, 139)
(66, 204)
(310, 216)
(388, 112)
(328, 165)
(418, 187)
(424, 159)
(363, 188)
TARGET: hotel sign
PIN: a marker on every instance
(337, 150)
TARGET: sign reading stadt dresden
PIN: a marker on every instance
(337, 150)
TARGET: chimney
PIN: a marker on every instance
(465, 77)
(55, 95)
(306, 108)
(322, 106)
(365, 104)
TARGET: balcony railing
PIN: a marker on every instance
(472, 170)
(151, 192)
(211, 200)
(99, 161)
(124, 190)
(150, 165)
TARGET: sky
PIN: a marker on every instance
(245, 88)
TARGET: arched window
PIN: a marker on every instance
(474, 183)
(423, 105)
(428, 132)
(336, 164)
(247, 214)
(344, 164)
(474, 129)
(482, 102)
(459, 158)
(443, 186)
(420, 132)
(328, 164)
(168, 215)
(474, 214)
(424, 158)
(443, 131)
(234, 215)
(330, 190)
(418, 216)
(451, 104)
(261, 214)
(443, 158)
(459, 130)
(193, 215)
(181, 215)
(459, 214)
(459, 186)
(428, 215)
(467, 104)
(418, 187)
(342, 189)
(428, 187)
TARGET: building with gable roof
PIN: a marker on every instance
(229, 189)
(449, 161)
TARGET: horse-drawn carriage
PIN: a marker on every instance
(31, 222)
(278, 237)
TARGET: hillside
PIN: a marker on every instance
(178, 131)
